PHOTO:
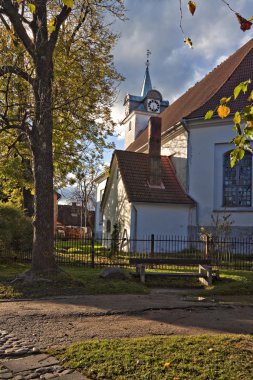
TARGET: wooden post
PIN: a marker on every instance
(209, 275)
(206, 271)
(142, 273)
(207, 246)
(92, 252)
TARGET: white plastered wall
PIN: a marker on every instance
(175, 146)
(207, 144)
(117, 208)
(162, 220)
(139, 121)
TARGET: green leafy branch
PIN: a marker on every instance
(243, 122)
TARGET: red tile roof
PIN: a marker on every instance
(206, 94)
(134, 171)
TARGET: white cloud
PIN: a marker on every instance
(154, 25)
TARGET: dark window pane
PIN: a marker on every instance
(237, 182)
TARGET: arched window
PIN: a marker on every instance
(237, 181)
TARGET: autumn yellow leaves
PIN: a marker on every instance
(223, 110)
(192, 7)
(52, 23)
(243, 121)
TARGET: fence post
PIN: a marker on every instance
(207, 246)
(152, 251)
(92, 252)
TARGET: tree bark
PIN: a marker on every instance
(41, 142)
(28, 198)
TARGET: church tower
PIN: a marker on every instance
(139, 108)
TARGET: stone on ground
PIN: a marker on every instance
(114, 274)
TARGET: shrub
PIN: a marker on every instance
(115, 238)
(15, 228)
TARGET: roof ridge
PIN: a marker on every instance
(230, 58)
(133, 152)
(128, 151)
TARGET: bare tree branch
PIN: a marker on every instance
(7, 26)
(7, 123)
(181, 17)
(63, 15)
(11, 12)
(78, 26)
(225, 2)
(16, 70)
(9, 127)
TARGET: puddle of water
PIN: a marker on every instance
(221, 300)
(197, 299)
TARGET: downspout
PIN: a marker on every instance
(135, 227)
(185, 125)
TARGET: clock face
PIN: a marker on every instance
(153, 105)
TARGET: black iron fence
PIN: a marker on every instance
(225, 253)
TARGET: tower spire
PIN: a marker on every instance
(147, 85)
(148, 55)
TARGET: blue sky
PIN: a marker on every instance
(154, 25)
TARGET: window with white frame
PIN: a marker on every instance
(237, 181)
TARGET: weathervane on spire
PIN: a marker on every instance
(147, 86)
(148, 55)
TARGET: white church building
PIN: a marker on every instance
(175, 173)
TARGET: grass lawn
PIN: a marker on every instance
(154, 358)
(81, 280)
(232, 282)
(74, 281)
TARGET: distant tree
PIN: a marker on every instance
(85, 188)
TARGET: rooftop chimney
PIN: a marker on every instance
(154, 151)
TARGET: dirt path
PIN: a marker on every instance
(65, 320)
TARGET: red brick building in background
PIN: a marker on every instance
(57, 196)
(72, 221)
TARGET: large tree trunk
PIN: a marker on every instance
(41, 142)
(28, 198)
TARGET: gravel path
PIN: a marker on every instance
(49, 322)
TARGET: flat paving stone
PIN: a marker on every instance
(30, 362)
(5, 376)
